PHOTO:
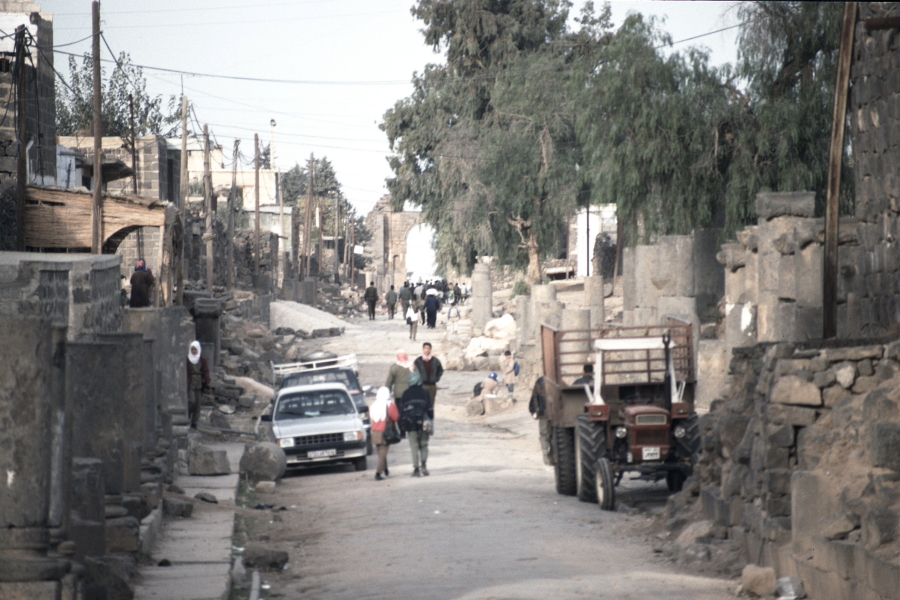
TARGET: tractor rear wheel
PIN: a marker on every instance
(605, 484)
(675, 480)
(590, 444)
(564, 467)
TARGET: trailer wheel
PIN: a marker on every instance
(590, 445)
(605, 485)
(689, 445)
(564, 467)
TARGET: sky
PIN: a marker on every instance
(348, 61)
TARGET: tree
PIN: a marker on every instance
(649, 123)
(777, 133)
(449, 136)
(74, 107)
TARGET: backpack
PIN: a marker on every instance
(476, 391)
(516, 368)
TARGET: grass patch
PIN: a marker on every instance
(520, 288)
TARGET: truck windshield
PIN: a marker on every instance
(313, 404)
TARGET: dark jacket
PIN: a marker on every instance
(391, 297)
(405, 294)
(431, 303)
(204, 371)
(414, 406)
(538, 404)
(437, 370)
(371, 294)
(141, 283)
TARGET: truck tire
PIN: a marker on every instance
(370, 448)
(605, 485)
(564, 468)
(689, 445)
(590, 442)
(675, 480)
(360, 463)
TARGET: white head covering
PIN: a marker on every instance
(194, 358)
(431, 292)
(379, 408)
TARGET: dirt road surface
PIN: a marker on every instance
(487, 523)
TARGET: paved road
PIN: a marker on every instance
(486, 524)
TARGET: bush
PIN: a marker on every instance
(520, 288)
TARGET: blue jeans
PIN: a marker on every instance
(510, 386)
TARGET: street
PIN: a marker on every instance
(487, 523)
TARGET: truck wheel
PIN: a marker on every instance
(605, 484)
(689, 445)
(360, 463)
(590, 444)
(564, 468)
(370, 449)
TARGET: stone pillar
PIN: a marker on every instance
(524, 325)
(88, 511)
(135, 400)
(542, 295)
(95, 378)
(61, 476)
(26, 436)
(545, 312)
(577, 322)
(206, 324)
(482, 296)
(593, 299)
(309, 291)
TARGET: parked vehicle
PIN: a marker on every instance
(637, 416)
(325, 367)
(318, 424)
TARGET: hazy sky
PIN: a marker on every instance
(354, 57)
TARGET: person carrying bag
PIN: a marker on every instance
(384, 416)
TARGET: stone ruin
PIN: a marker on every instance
(93, 422)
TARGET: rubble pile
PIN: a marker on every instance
(341, 300)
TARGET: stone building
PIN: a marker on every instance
(40, 95)
(387, 249)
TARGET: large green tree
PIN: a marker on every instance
(74, 107)
(464, 119)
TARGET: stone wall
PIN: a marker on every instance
(78, 291)
(799, 464)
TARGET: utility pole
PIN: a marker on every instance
(320, 219)
(207, 200)
(134, 179)
(231, 195)
(587, 230)
(97, 212)
(835, 154)
(182, 201)
(337, 219)
(256, 210)
(352, 252)
(307, 215)
(21, 153)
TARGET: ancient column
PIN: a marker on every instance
(482, 296)
(26, 436)
(206, 323)
(593, 299)
(541, 294)
(524, 325)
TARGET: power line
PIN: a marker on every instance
(195, 9)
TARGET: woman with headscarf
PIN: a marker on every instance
(197, 380)
(398, 375)
(382, 412)
(431, 307)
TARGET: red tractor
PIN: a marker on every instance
(635, 414)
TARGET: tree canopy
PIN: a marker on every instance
(74, 108)
(529, 118)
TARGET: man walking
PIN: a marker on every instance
(391, 300)
(371, 297)
(414, 411)
(405, 296)
(398, 375)
(430, 371)
(508, 365)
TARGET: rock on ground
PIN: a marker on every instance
(475, 408)
(257, 556)
(203, 460)
(254, 387)
(758, 581)
(263, 461)
(503, 328)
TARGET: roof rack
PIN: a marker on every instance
(340, 362)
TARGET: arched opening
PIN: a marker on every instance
(420, 260)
